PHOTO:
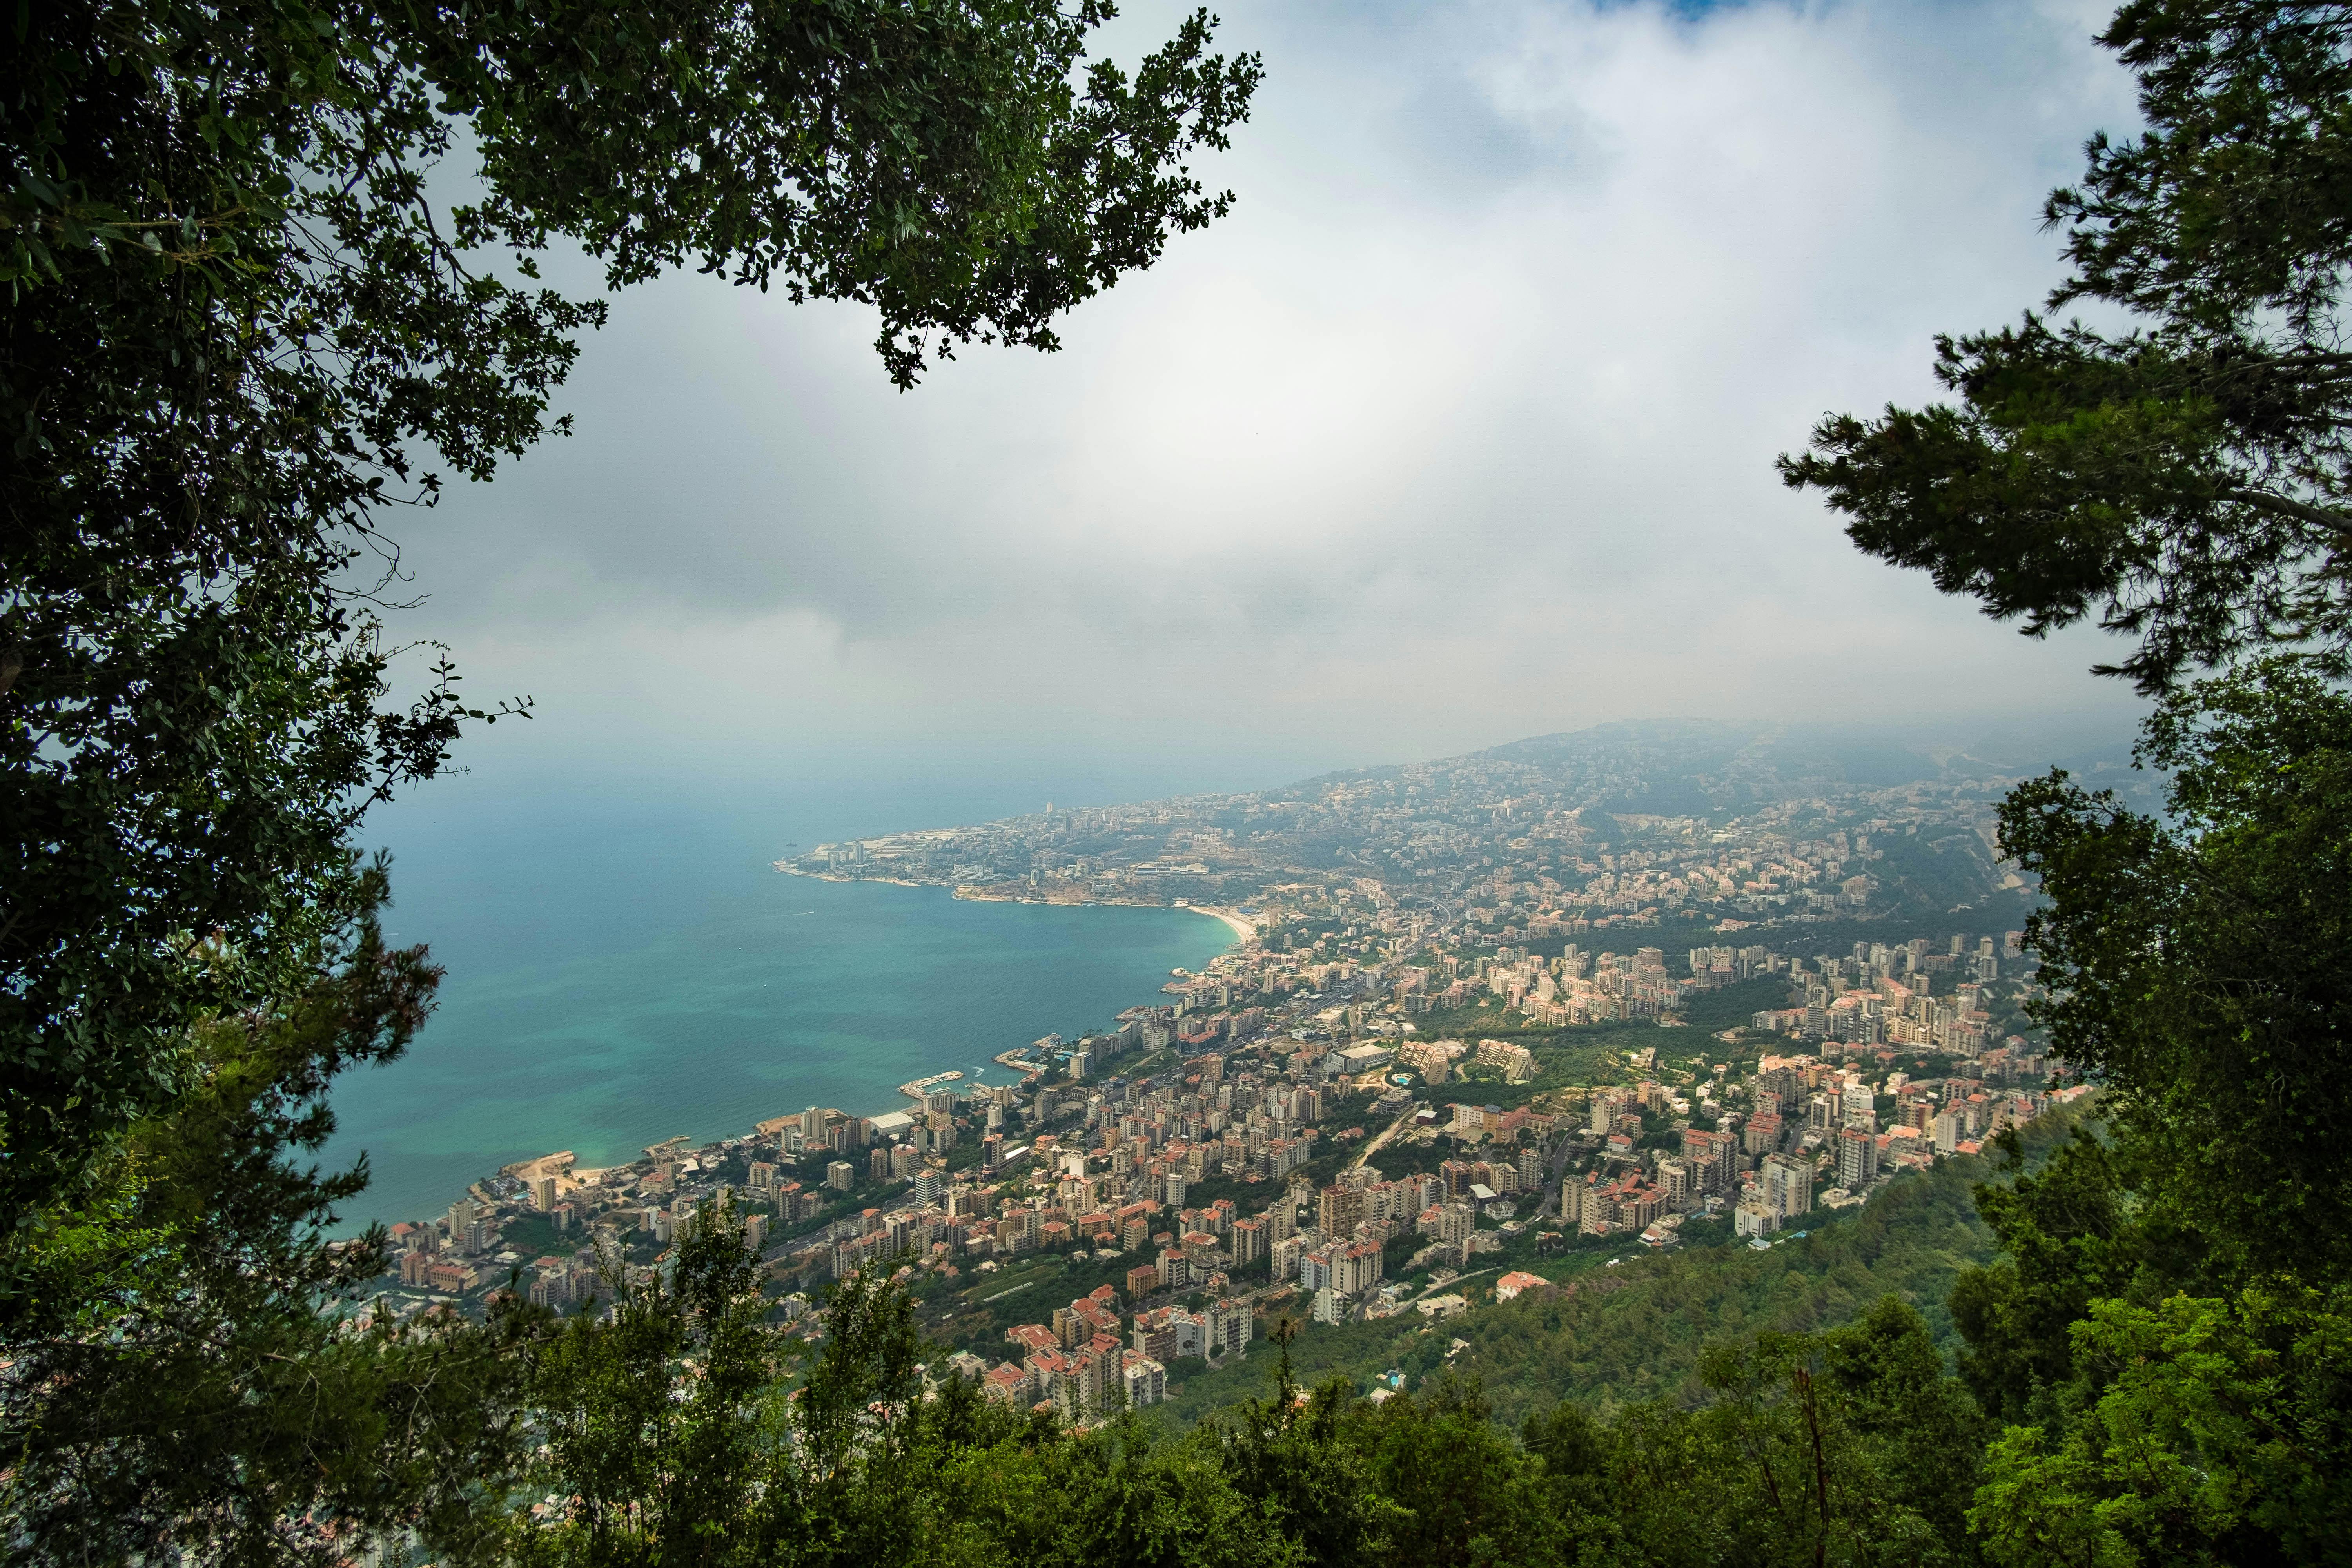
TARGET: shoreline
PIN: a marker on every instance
(1242, 928)
(571, 1175)
(1245, 929)
(790, 870)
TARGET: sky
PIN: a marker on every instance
(1459, 429)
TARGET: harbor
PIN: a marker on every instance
(918, 1087)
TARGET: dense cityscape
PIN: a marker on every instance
(1892, 1119)
(1395, 1097)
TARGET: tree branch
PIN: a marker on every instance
(2334, 521)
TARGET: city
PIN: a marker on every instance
(1370, 1110)
(744, 990)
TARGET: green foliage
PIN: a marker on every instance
(237, 331)
(2163, 1336)
(1930, 875)
(2221, 1436)
(675, 1434)
(2070, 1233)
(1282, 1453)
(1845, 1447)
(1731, 1006)
(1638, 1333)
(1462, 1491)
(654, 1477)
(2185, 481)
(2197, 963)
(235, 323)
(174, 1382)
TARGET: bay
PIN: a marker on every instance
(616, 980)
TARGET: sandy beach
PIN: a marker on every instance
(1243, 929)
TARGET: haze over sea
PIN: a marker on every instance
(622, 970)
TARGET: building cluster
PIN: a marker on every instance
(1088, 1361)
(1076, 1158)
(1330, 1246)
(466, 1251)
(1795, 1133)
(1064, 1159)
(1907, 996)
(1109, 1169)
(1801, 1131)
(1527, 879)
(1913, 994)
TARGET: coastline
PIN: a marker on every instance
(423, 1177)
(1243, 929)
(790, 870)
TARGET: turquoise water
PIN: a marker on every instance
(643, 983)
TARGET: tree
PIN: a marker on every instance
(191, 1365)
(683, 1431)
(2186, 482)
(2164, 1338)
(1849, 1447)
(237, 328)
(660, 1419)
(1460, 1492)
(2066, 1239)
(2220, 1436)
(2196, 962)
(1284, 1453)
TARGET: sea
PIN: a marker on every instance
(622, 973)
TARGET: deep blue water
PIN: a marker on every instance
(621, 975)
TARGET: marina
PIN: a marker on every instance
(921, 1086)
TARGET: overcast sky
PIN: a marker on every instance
(1458, 430)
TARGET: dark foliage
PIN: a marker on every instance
(236, 334)
(235, 325)
(2198, 964)
(183, 1375)
(2184, 482)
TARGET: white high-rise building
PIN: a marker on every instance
(1788, 1185)
(1950, 1127)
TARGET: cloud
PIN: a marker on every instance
(1459, 429)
